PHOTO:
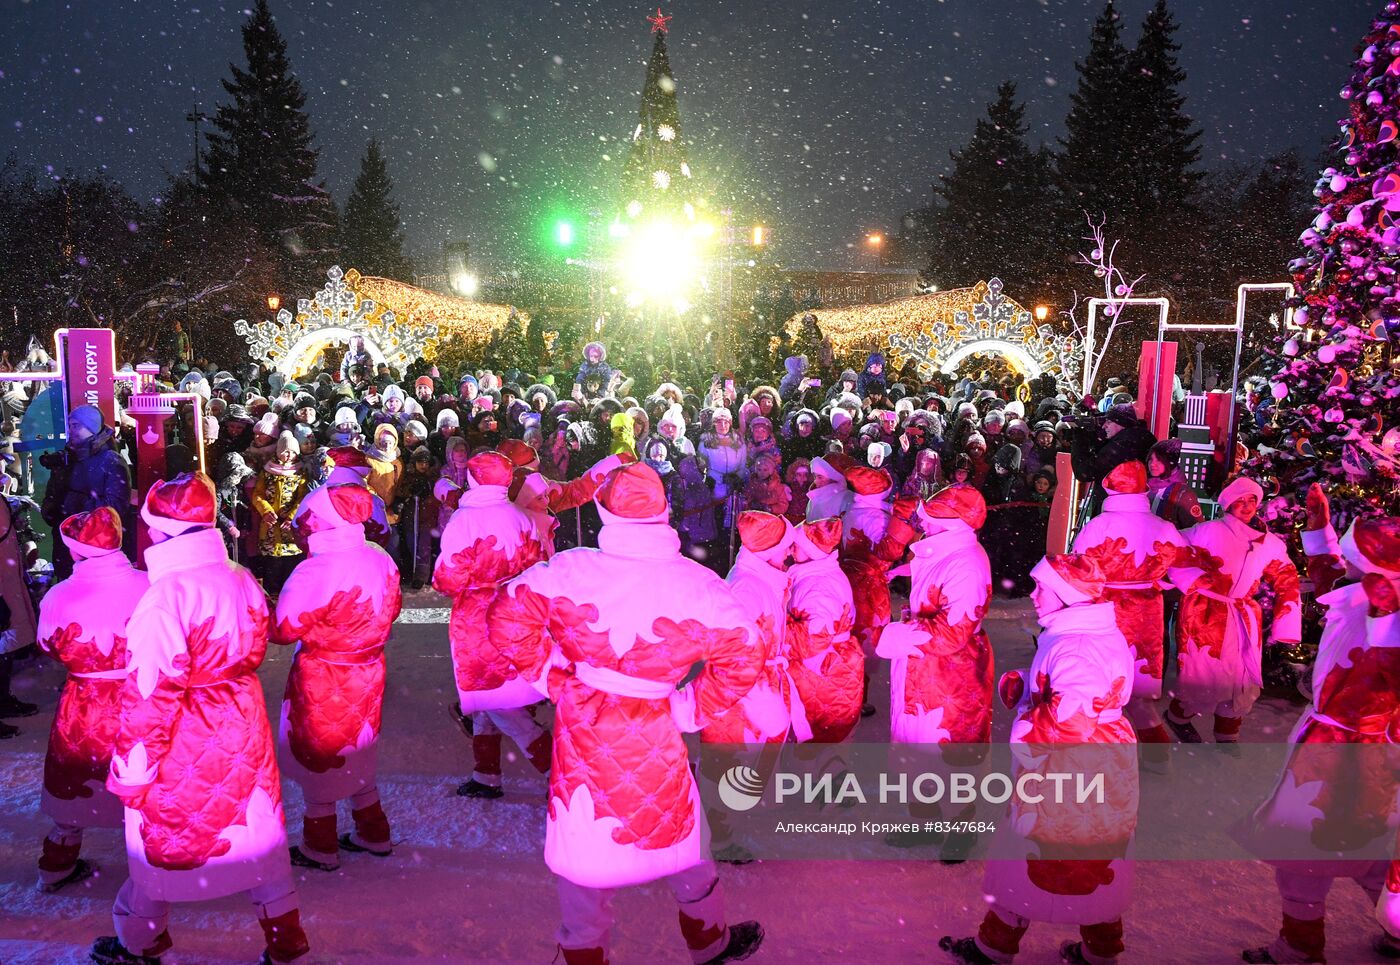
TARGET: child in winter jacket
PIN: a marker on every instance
(694, 510)
(765, 490)
(799, 479)
(275, 499)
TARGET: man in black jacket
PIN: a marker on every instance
(1097, 448)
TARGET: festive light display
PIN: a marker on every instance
(399, 323)
(660, 23)
(1336, 399)
(937, 331)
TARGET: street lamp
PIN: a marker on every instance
(274, 302)
(1042, 312)
(875, 239)
(760, 235)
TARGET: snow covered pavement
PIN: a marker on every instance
(467, 882)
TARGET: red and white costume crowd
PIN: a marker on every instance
(610, 659)
(194, 760)
(338, 608)
(1220, 623)
(83, 625)
(161, 727)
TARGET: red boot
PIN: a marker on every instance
(371, 831)
(285, 939)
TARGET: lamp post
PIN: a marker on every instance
(874, 242)
(274, 302)
(1042, 312)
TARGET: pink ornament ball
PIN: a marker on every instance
(1327, 354)
(1279, 391)
(1333, 415)
(1291, 347)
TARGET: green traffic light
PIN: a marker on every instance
(564, 234)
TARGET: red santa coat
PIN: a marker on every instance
(824, 660)
(607, 634)
(1073, 694)
(339, 605)
(194, 759)
(82, 625)
(1321, 797)
(762, 715)
(941, 660)
(1135, 549)
(488, 541)
(1220, 623)
(863, 528)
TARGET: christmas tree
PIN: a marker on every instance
(656, 182)
(371, 234)
(1337, 415)
(261, 163)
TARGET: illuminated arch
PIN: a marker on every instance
(305, 349)
(1018, 356)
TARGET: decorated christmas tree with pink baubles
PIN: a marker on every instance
(1337, 389)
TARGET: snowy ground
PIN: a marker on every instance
(467, 883)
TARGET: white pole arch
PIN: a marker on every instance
(1011, 350)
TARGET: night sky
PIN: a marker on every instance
(827, 118)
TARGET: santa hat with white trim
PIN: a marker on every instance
(817, 538)
(1372, 545)
(633, 493)
(520, 454)
(489, 469)
(349, 465)
(1073, 577)
(1126, 478)
(960, 502)
(335, 506)
(183, 503)
(92, 534)
(764, 535)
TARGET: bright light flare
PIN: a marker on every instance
(662, 260)
(464, 283)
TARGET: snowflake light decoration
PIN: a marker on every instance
(661, 180)
(666, 132)
(996, 323)
(335, 309)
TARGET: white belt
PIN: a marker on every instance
(1147, 585)
(622, 685)
(101, 674)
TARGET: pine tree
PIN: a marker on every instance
(1339, 421)
(371, 233)
(261, 162)
(1164, 141)
(1093, 171)
(997, 206)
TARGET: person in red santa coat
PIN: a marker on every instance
(1327, 801)
(544, 499)
(82, 625)
(1135, 548)
(338, 606)
(487, 542)
(1220, 625)
(350, 467)
(624, 808)
(194, 760)
(825, 662)
(941, 659)
(1073, 695)
(759, 580)
(863, 527)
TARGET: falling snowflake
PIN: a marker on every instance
(661, 179)
(666, 132)
(637, 133)
(634, 208)
(685, 169)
